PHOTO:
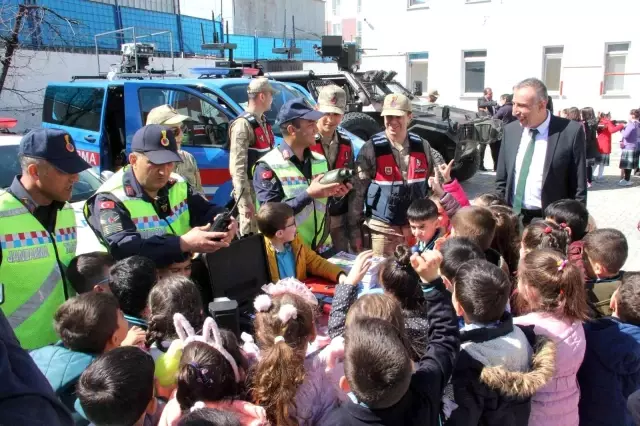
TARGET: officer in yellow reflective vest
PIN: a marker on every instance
(38, 234)
(291, 173)
(147, 210)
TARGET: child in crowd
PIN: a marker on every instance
(90, 272)
(609, 372)
(117, 389)
(131, 281)
(542, 235)
(88, 325)
(605, 252)
(554, 291)
(400, 281)
(506, 240)
(210, 374)
(172, 295)
(209, 417)
(287, 255)
(424, 222)
(456, 251)
(379, 373)
(479, 225)
(497, 371)
(575, 216)
(182, 268)
(489, 199)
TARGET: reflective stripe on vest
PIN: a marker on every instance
(143, 213)
(263, 143)
(310, 222)
(389, 194)
(34, 284)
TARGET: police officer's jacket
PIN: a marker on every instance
(338, 156)
(37, 243)
(389, 194)
(129, 222)
(263, 141)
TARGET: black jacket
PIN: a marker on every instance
(565, 170)
(591, 137)
(420, 405)
(493, 395)
(505, 113)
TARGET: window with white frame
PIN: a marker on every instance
(614, 67)
(418, 2)
(552, 71)
(359, 6)
(473, 63)
(335, 7)
(337, 29)
(477, 1)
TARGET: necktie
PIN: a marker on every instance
(524, 173)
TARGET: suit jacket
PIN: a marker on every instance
(564, 172)
(490, 106)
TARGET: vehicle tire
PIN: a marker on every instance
(360, 124)
(467, 168)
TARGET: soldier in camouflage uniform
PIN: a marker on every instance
(251, 137)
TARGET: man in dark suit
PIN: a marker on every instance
(486, 106)
(542, 157)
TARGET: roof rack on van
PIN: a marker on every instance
(149, 75)
(234, 71)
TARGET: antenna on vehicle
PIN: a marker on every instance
(291, 50)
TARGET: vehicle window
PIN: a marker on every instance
(86, 186)
(79, 107)
(238, 92)
(209, 126)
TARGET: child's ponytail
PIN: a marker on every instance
(557, 283)
(284, 326)
(544, 234)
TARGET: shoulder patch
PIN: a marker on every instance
(129, 191)
(110, 222)
(105, 205)
(267, 174)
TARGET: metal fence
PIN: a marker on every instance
(72, 25)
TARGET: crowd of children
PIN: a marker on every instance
(480, 323)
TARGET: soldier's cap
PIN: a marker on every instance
(396, 104)
(56, 147)
(157, 143)
(434, 92)
(166, 115)
(260, 85)
(332, 100)
(297, 108)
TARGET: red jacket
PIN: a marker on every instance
(605, 129)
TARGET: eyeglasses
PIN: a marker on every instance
(291, 224)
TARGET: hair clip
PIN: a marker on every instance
(199, 405)
(287, 312)
(262, 303)
(278, 339)
(547, 230)
(290, 285)
(561, 292)
(563, 225)
(562, 264)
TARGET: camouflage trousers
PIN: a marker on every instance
(344, 238)
(246, 225)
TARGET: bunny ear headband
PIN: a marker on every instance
(210, 336)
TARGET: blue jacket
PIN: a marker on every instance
(609, 373)
(26, 397)
(62, 367)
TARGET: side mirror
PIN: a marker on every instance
(106, 174)
(445, 113)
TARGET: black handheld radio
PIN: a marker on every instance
(223, 220)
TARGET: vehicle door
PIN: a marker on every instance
(78, 110)
(206, 135)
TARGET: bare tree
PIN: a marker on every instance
(13, 20)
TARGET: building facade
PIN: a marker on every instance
(587, 52)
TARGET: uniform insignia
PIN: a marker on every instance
(334, 100)
(394, 101)
(68, 144)
(129, 191)
(110, 222)
(286, 155)
(107, 205)
(388, 171)
(164, 207)
(418, 163)
(267, 174)
(165, 140)
(28, 204)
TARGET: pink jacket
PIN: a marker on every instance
(248, 414)
(455, 189)
(557, 402)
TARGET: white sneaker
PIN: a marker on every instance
(624, 182)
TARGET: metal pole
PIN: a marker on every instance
(173, 60)
(135, 50)
(95, 38)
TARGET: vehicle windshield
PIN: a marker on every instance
(397, 88)
(10, 167)
(238, 92)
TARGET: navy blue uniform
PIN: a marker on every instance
(163, 250)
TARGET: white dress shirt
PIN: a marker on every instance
(533, 190)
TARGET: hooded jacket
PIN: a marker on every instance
(496, 376)
(609, 373)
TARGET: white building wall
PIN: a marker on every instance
(514, 34)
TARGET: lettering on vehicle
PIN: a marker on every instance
(90, 157)
(27, 254)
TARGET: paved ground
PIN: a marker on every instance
(612, 206)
